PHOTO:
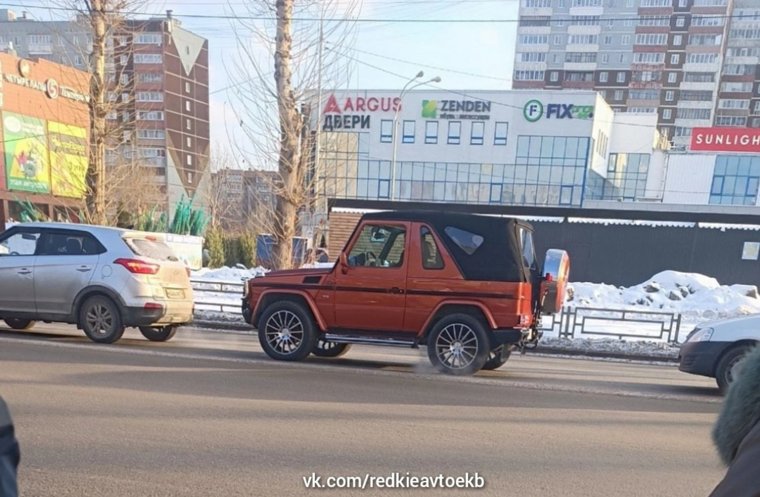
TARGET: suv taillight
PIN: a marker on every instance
(137, 266)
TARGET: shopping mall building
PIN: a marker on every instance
(44, 125)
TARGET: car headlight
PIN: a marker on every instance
(703, 335)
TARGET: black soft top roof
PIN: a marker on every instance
(499, 258)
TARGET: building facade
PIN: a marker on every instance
(554, 148)
(44, 126)
(159, 97)
(693, 63)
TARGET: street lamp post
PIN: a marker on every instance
(394, 133)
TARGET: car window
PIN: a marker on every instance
(378, 246)
(468, 242)
(23, 243)
(154, 249)
(528, 249)
(70, 243)
(431, 256)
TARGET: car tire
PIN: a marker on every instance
(325, 348)
(497, 357)
(158, 333)
(287, 331)
(458, 345)
(100, 319)
(726, 368)
(19, 324)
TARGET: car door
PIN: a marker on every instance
(370, 283)
(17, 257)
(66, 262)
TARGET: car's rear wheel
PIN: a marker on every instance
(158, 333)
(325, 348)
(729, 366)
(287, 331)
(497, 357)
(19, 324)
(458, 345)
(100, 319)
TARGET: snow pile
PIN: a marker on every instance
(228, 274)
(695, 296)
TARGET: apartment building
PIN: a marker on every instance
(695, 63)
(158, 77)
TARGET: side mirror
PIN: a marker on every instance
(343, 262)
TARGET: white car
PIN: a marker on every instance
(715, 348)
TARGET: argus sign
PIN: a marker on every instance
(534, 110)
(355, 113)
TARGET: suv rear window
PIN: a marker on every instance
(469, 242)
(151, 248)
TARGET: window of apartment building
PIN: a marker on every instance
(702, 58)
(651, 39)
(683, 3)
(622, 58)
(707, 21)
(644, 94)
(693, 114)
(187, 87)
(151, 134)
(584, 20)
(680, 21)
(735, 180)
(654, 21)
(149, 77)
(696, 95)
(78, 61)
(648, 57)
(529, 75)
(710, 3)
(536, 3)
(667, 114)
(151, 152)
(699, 77)
(532, 57)
(656, 3)
(586, 3)
(150, 96)
(124, 59)
(605, 58)
(618, 95)
(677, 40)
(626, 40)
(534, 39)
(124, 79)
(630, 3)
(40, 44)
(148, 39)
(675, 58)
(708, 40)
(500, 133)
(681, 130)
(407, 135)
(756, 108)
(125, 97)
(188, 106)
(628, 22)
(736, 87)
(672, 77)
(646, 76)
(583, 40)
(611, 23)
(125, 116)
(189, 160)
(386, 131)
(554, 76)
(738, 69)
(620, 77)
(121, 41)
(580, 57)
(670, 95)
(557, 40)
(608, 39)
(431, 132)
(188, 142)
(455, 132)
(534, 21)
(188, 124)
(579, 76)
(733, 103)
(604, 76)
(555, 58)
(477, 131)
(148, 58)
(730, 121)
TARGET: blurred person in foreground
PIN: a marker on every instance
(9, 454)
(737, 432)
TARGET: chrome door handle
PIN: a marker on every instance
(24, 271)
(84, 269)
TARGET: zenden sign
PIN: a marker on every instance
(534, 110)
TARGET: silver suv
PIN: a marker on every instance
(101, 279)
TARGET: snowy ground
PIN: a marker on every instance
(697, 298)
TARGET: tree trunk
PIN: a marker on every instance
(291, 124)
(96, 173)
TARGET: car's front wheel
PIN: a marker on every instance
(100, 319)
(497, 357)
(19, 324)
(458, 345)
(158, 333)
(287, 331)
(729, 365)
(325, 348)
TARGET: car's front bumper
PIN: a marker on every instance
(701, 358)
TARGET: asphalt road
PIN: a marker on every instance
(209, 414)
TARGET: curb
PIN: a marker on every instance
(242, 328)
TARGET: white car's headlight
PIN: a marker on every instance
(703, 335)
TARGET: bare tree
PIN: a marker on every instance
(281, 68)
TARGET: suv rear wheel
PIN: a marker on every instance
(324, 348)
(497, 357)
(100, 319)
(19, 324)
(286, 331)
(458, 345)
(158, 333)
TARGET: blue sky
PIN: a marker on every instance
(464, 55)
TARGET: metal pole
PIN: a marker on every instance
(317, 135)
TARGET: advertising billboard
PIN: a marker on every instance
(68, 159)
(27, 165)
(725, 140)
